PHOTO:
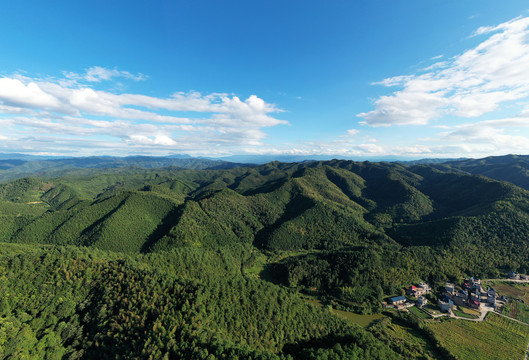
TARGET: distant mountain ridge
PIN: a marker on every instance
(20, 167)
(512, 168)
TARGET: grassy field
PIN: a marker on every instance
(495, 338)
(418, 312)
(464, 314)
(256, 265)
(517, 310)
(362, 320)
(30, 208)
(432, 309)
(409, 341)
(512, 290)
(469, 311)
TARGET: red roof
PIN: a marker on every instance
(413, 287)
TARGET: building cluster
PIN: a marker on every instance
(417, 292)
(515, 276)
(470, 294)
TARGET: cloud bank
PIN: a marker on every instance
(71, 115)
(457, 94)
(474, 83)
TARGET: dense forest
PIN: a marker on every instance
(211, 261)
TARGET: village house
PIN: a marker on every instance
(475, 285)
(407, 304)
(450, 288)
(466, 285)
(411, 291)
(445, 304)
(424, 288)
(421, 301)
(460, 298)
(397, 300)
(474, 304)
(513, 275)
(491, 292)
(491, 300)
(463, 294)
(420, 290)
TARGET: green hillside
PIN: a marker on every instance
(77, 303)
(323, 206)
(511, 168)
(237, 246)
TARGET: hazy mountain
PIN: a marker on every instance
(17, 168)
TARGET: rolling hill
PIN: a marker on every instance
(351, 232)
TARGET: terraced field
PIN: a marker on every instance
(517, 310)
(509, 289)
(495, 338)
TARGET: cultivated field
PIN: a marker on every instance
(418, 312)
(496, 338)
(513, 290)
(517, 310)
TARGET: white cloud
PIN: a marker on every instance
(156, 140)
(471, 84)
(15, 93)
(98, 74)
(352, 132)
(35, 111)
(488, 29)
(370, 148)
(483, 138)
(416, 150)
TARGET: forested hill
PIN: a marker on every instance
(11, 169)
(512, 168)
(276, 207)
(353, 232)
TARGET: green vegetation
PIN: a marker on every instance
(464, 314)
(419, 313)
(495, 338)
(517, 310)
(80, 303)
(408, 338)
(209, 263)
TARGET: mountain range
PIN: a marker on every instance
(346, 231)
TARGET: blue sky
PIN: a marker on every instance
(362, 79)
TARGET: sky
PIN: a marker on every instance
(355, 79)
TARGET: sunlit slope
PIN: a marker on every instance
(82, 303)
(317, 205)
(122, 222)
(302, 211)
(511, 168)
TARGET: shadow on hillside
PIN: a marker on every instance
(162, 229)
(294, 208)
